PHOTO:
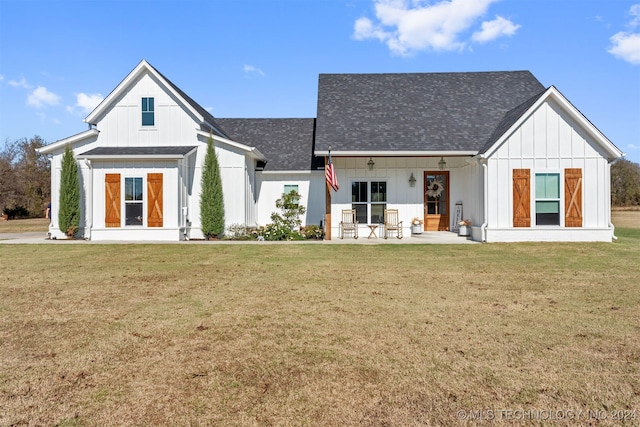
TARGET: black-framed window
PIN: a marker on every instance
(369, 199)
(547, 199)
(133, 201)
(289, 188)
(148, 112)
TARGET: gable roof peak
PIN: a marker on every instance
(202, 115)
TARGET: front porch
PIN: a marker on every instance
(428, 237)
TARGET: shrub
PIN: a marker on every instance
(69, 211)
(239, 232)
(16, 212)
(312, 232)
(278, 232)
(211, 198)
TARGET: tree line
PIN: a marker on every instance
(25, 178)
(625, 183)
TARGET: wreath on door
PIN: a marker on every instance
(435, 189)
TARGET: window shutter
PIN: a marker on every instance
(573, 197)
(112, 200)
(154, 194)
(521, 198)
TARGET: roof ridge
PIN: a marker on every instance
(208, 117)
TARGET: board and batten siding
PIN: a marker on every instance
(548, 141)
(395, 171)
(311, 187)
(164, 223)
(122, 125)
(234, 174)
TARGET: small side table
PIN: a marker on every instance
(373, 228)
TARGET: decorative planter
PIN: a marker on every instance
(416, 228)
(464, 230)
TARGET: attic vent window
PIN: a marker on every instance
(147, 112)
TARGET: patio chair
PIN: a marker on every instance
(391, 223)
(349, 224)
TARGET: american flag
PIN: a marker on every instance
(330, 174)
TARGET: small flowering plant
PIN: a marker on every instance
(465, 222)
(417, 221)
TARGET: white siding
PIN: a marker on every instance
(549, 141)
(464, 180)
(311, 187)
(122, 125)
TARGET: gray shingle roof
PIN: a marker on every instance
(208, 117)
(171, 151)
(508, 120)
(417, 112)
(286, 143)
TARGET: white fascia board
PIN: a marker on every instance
(337, 153)
(578, 116)
(124, 84)
(137, 156)
(569, 108)
(47, 149)
(253, 151)
(291, 172)
(133, 156)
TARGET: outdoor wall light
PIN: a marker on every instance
(370, 163)
(442, 164)
(412, 180)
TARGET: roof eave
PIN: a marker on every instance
(410, 153)
(132, 156)
(48, 149)
(553, 93)
(252, 151)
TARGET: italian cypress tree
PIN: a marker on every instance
(211, 200)
(69, 209)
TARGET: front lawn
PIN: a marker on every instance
(317, 334)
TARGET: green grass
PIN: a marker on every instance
(316, 334)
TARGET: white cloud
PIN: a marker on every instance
(87, 102)
(41, 97)
(250, 69)
(634, 11)
(626, 45)
(1, 77)
(407, 27)
(20, 83)
(492, 30)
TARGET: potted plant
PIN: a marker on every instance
(464, 227)
(417, 225)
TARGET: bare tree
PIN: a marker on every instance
(25, 178)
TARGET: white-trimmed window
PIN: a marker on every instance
(133, 201)
(288, 188)
(369, 199)
(148, 112)
(547, 199)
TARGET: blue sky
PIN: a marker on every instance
(262, 58)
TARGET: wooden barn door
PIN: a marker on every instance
(436, 201)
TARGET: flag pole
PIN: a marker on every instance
(327, 208)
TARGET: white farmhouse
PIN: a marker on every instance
(515, 158)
